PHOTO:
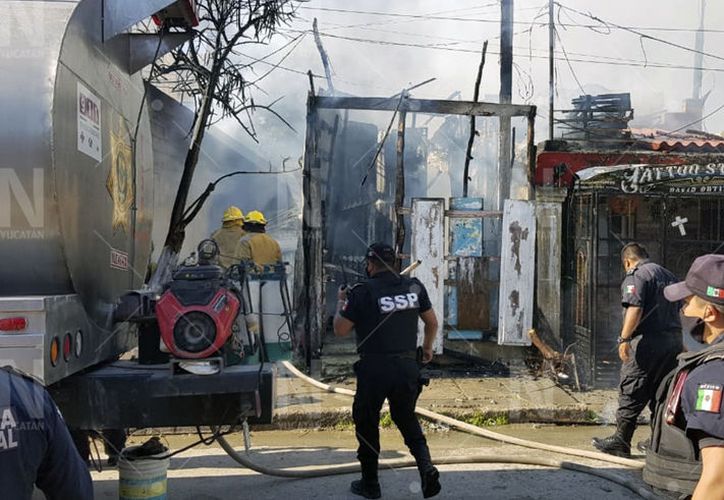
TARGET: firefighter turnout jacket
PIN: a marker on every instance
(259, 248)
(227, 238)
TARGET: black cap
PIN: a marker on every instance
(705, 279)
(381, 252)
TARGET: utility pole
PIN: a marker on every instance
(551, 69)
(506, 94)
(699, 57)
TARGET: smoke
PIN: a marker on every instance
(378, 55)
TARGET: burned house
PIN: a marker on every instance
(618, 185)
(393, 169)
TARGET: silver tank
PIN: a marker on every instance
(71, 221)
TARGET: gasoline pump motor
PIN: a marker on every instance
(198, 311)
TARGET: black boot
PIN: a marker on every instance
(368, 486)
(366, 490)
(620, 443)
(430, 480)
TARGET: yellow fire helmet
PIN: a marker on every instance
(255, 217)
(232, 213)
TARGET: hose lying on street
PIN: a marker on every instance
(350, 468)
(472, 429)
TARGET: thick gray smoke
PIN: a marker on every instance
(374, 53)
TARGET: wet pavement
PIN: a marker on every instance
(207, 473)
(314, 428)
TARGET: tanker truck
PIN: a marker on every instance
(89, 157)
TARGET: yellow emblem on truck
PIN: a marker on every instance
(120, 178)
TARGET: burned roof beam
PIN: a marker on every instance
(424, 106)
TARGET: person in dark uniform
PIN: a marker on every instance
(35, 446)
(385, 311)
(649, 342)
(687, 449)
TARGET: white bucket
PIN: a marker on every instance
(142, 478)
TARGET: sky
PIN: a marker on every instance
(373, 53)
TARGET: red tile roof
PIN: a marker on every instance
(687, 142)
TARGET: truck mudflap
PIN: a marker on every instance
(124, 395)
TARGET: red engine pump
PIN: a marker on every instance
(197, 312)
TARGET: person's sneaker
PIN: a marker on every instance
(643, 445)
(612, 445)
(365, 490)
(430, 483)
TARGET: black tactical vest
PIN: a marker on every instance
(672, 461)
(393, 307)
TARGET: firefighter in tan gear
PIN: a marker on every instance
(257, 246)
(228, 236)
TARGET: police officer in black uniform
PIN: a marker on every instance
(384, 313)
(35, 446)
(687, 447)
(649, 342)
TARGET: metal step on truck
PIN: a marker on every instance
(87, 174)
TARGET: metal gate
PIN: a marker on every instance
(599, 225)
(580, 282)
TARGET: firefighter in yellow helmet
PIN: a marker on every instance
(228, 236)
(257, 246)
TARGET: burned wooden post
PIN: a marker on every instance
(471, 139)
(506, 94)
(400, 187)
(324, 56)
(310, 298)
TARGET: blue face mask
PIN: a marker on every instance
(694, 327)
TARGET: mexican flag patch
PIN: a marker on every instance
(630, 289)
(708, 398)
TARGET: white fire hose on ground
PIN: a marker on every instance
(350, 468)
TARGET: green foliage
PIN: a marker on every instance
(479, 419)
(386, 420)
(344, 424)
(591, 416)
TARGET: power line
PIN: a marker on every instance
(314, 75)
(639, 33)
(448, 11)
(456, 42)
(406, 16)
(496, 21)
(700, 119)
(611, 62)
(398, 21)
(570, 67)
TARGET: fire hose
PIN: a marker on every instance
(321, 471)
